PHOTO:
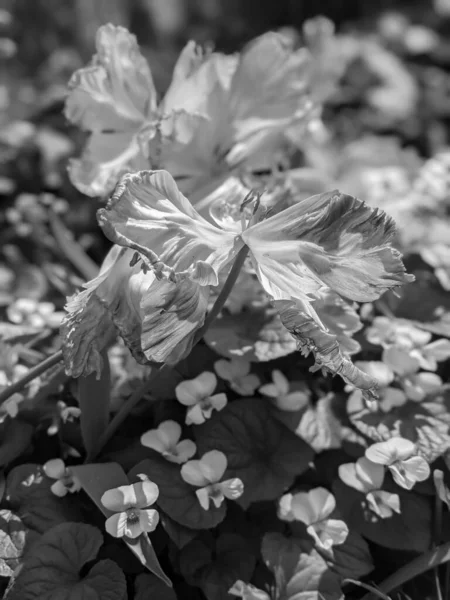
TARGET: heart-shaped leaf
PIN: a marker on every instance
(300, 571)
(29, 496)
(352, 559)
(16, 438)
(255, 334)
(12, 542)
(261, 451)
(425, 423)
(149, 586)
(52, 568)
(410, 530)
(216, 569)
(176, 497)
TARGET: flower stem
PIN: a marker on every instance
(128, 406)
(32, 374)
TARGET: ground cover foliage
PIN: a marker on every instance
(225, 319)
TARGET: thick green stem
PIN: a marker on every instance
(32, 374)
(126, 408)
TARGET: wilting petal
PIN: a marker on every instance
(386, 453)
(148, 519)
(192, 473)
(335, 239)
(409, 471)
(54, 468)
(191, 391)
(149, 214)
(268, 93)
(106, 157)
(232, 488)
(311, 337)
(116, 89)
(117, 525)
(213, 465)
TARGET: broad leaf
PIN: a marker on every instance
(216, 569)
(149, 586)
(96, 479)
(300, 571)
(425, 423)
(352, 559)
(94, 400)
(410, 530)
(52, 568)
(261, 451)
(176, 497)
(179, 535)
(16, 439)
(12, 542)
(28, 494)
(255, 334)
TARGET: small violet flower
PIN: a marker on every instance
(279, 392)
(206, 474)
(401, 458)
(197, 394)
(313, 509)
(237, 373)
(65, 482)
(130, 504)
(367, 477)
(166, 440)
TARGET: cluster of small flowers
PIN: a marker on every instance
(10, 372)
(409, 360)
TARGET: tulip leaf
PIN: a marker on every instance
(425, 423)
(261, 451)
(28, 494)
(96, 479)
(52, 568)
(299, 570)
(410, 530)
(176, 497)
(94, 400)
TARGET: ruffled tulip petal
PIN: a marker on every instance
(150, 215)
(148, 519)
(192, 473)
(192, 391)
(232, 488)
(312, 337)
(386, 453)
(117, 88)
(213, 465)
(337, 240)
(117, 525)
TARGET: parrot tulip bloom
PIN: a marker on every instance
(157, 298)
